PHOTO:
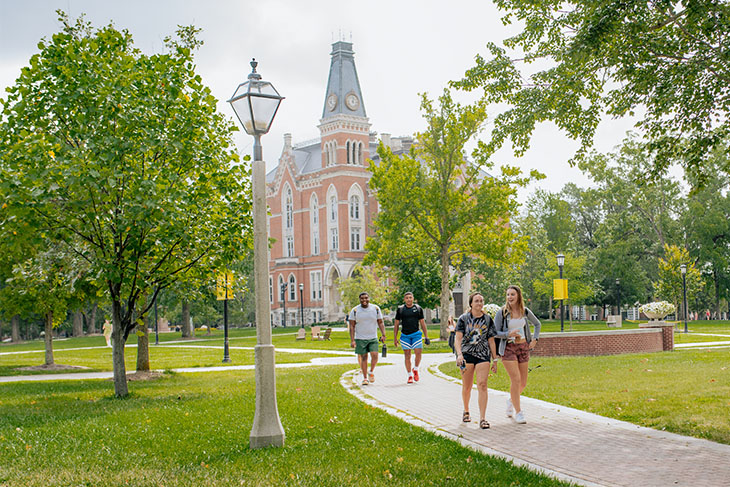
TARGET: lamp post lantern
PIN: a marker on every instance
(301, 303)
(683, 268)
(256, 102)
(561, 262)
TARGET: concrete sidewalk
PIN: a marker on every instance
(563, 442)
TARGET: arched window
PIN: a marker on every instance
(349, 156)
(281, 288)
(314, 211)
(355, 207)
(292, 288)
(359, 154)
(333, 208)
(288, 208)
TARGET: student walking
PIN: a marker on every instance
(516, 342)
(475, 348)
(365, 319)
(411, 338)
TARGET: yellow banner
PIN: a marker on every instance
(224, 286)
(560, 289)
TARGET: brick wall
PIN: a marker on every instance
(606, 342)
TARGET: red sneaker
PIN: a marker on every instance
(415, 375)
(410, 379)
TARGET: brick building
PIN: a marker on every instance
(321, 209)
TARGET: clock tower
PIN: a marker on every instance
(344, 126)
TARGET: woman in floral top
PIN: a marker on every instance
(475, 348)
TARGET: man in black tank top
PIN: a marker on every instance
(411, 316)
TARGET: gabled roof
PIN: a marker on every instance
(343, 95)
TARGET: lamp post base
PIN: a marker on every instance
(267, 429)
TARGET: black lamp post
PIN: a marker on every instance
(283, 304)
(301, 303)
(256, 102)
(561, 262)
(683, 268)
(618, 297)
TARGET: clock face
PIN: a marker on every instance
(352, 101)
(332, 101)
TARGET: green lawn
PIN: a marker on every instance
(192, 354)
(192, 430)
(686, 392)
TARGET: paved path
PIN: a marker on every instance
(567, 443)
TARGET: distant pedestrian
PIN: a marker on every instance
(475, 348)
(411, 338)
(365, 319)
(516, 342)
(451, 328)
(108, 332)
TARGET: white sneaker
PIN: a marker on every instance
(520, 418)
(510, 409)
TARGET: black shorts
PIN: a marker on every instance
(471, 359)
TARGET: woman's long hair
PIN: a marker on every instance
(520, 303)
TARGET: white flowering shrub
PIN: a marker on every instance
(657, 308)
(491, 309)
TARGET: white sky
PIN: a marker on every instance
(402, 48)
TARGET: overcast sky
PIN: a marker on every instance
(402, 48)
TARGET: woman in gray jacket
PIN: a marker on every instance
(513, 328)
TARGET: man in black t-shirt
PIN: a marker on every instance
(411, 316)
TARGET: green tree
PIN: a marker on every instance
(122, 157)
(434, 194)
(661, 61)
(366, 279)
(706, 221)
(669, 285)
(411, 266)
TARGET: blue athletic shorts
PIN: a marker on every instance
(409, 342)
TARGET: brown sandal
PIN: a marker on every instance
(466, 417)
(484, 424)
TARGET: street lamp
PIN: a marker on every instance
(618, 292)
(255, 103)
(301, 303)
(283, 304)
(561, 262)
(683, 268)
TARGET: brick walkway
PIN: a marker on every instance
(569, 444)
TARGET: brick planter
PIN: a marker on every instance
(606, 342)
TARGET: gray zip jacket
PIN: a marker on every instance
(501, 324)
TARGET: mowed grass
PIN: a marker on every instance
(161, 357)
(193, 430)
(685, 392)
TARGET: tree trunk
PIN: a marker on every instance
(77, 329)
(445, 293)
(91, 320)
(186, 328)
(550, 308)
(49, 338)
(15, 328)
(715, 278)
(120, 371)
(143, 345)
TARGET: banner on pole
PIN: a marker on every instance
(224, 286)
(560, 289)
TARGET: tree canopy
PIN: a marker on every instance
(122, 158)
(435, 196)
(664, 62)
